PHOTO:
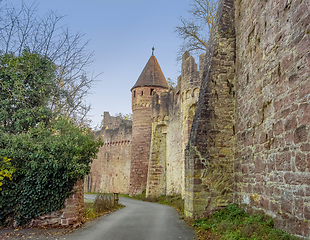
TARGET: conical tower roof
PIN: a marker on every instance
(151, 76)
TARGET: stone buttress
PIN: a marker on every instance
(210, 151)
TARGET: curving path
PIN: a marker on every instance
(137, 221)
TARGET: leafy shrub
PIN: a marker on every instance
(89, 211)
(49, 152)
(47, 167)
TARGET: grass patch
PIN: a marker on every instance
(103, 204)
(234, 223)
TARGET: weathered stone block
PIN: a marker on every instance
(287, 205)
(304, 114)
(302, 228)
(301, 134)
(283, 161)
(300, 161)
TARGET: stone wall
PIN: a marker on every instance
(114, 160)
(111, 170)
(252, 120)
(174, 146)
(210, 151)
(273, 110)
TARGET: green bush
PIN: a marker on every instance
(47, 166)
(49, 152)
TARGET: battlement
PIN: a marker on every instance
(190, 75)
(184, 95)
(114, 129)
(107, 144)
(189, 65)
(113, 122)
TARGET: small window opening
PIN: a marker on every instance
(142, 93)
(134, 93)
(152, 89)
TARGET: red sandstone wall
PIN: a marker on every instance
(92, 182)
(116, 167)
(111, 170)
(273, 110)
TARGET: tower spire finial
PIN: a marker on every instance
(153, 51)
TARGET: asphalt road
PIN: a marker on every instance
(137, 221)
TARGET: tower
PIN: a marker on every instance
(151, 80)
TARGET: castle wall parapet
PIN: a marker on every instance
(126, 142)
(110, 171)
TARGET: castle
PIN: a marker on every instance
(236, 130)
(124, 164)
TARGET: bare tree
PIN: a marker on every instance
(195, 30)
(21, 28)
(171, 83)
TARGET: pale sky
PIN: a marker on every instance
(122, 34)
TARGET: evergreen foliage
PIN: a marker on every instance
(50, 153)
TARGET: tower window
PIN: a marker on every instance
(142, 93)
(152, 89)
(134, 93)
